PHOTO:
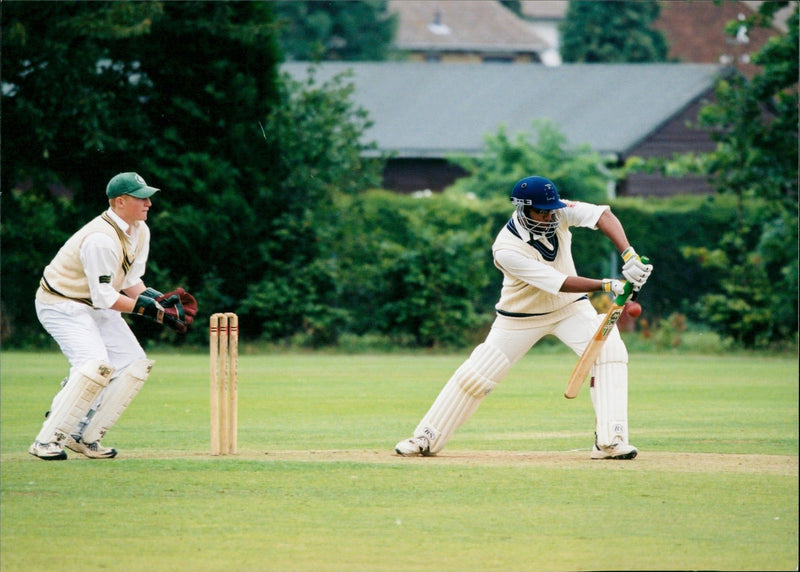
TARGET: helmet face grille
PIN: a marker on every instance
(539, 228)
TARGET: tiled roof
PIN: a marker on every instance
(466, 25)
(433, 110)
(696, 33)
(544, 9)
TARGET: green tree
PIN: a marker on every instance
(69, 118)
(755, 126)
(352, 31)
(614, 31)
(135, 98)
(207, 147)
(187, 94)
(65, 101)
(417, 270)
(578, 172)
(319, 131)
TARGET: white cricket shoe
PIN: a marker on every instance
(47, 451)
(92, 450)
(413, 447)
(617, 450)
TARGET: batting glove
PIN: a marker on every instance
(634, 270)
(615, 287)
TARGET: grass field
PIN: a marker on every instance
(316, 486)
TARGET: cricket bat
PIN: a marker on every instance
(592, 350)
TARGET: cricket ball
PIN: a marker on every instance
(634, 309)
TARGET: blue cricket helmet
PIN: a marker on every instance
(541, 194)
(537, 192)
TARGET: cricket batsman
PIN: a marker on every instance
(542, 294)
(94, 278)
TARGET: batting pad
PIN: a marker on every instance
(462, 395)
(609, 391)
(116, 398)
(73, 402)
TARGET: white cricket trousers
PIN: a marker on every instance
(575, 330)
(609, 390)
(84, 333)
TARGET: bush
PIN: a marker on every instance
(416, 269)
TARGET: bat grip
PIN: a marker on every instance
(635, 294)
(626, 293)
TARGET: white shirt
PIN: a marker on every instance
(99, 257)
(539, 274)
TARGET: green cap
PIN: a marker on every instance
(129, 184)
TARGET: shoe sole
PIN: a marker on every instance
(60, 457)
(110, 455)
(411, 454)
(625, 457)
(415, 454)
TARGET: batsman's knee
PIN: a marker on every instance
(484, 369)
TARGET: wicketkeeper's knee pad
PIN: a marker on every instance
(609, 391)
(116, 398)
(462, 394)
(75, 399)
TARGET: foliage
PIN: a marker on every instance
(65, 101)
(578, 172)
(416, 269)
(668, 231)
(755, 126)
(351, 31)
(318, 130)
(613, 31)
(263, 212)
(72, 116)
(247, 164)
(754, 123)
(419, 269)
(756, 305)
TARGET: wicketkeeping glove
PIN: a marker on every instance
(180, 308)
(634, 270)
(149, 308)
(151, 293)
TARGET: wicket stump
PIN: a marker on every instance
(223, 334)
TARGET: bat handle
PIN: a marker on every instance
(635, 294)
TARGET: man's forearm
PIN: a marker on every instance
(610, 225)
(581, 284)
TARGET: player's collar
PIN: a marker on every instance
(123, 226)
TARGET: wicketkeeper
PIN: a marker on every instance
(94, 278)
(542, 294)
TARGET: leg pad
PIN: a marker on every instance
(462, 394)
(609, 392)
(116, 398)
(74, 401)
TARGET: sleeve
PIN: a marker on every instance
(99, 257)
(582, 214)
(530, 271)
